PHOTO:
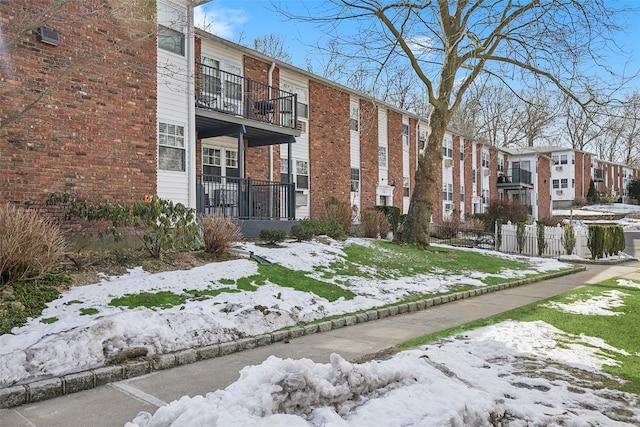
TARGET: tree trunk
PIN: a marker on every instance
(415, 228)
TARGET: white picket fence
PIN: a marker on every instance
(553, 237)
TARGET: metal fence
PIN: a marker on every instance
(245, 198)
(453, 235)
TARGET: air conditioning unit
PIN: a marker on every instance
(302, 199)
(448, 163)
(48, 36)
(487, 172)
(559, 192)
(448, 206)
(559, 168)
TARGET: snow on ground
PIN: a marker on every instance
(603, 209)
(497, 375)
(76, 342)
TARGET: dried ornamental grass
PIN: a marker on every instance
(219, 234)
(30, 246)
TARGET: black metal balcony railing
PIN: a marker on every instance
(245, 198)
(518, 176)
(229, 93)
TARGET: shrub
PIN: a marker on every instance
(272, 236)
(30, 246)
(634, 189)
(393, 215)
(448, 228)
(569, 239)
(506, 210)
(161, 224)
(473, 224)
(310, 227)
(341, 212)
(375, 224)
(218, 234)
(592, 195)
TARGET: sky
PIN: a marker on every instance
(243, 21)
(430, 386)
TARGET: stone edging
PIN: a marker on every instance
(71, 383)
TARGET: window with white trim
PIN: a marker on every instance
(559, 159)
(302, 174)
(284, 170)
(171, 28)
(501, 164)
(447, 148)
(405, 135)
(423, 140)
(564, 183)
(461, 151)
(354, 120)
(555, 183)
(485, 159)
(447, 192)
(485, 196)
(171, 147)
(382, 156)
(406, 191)
(355, 180)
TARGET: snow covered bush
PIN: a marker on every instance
(30, 246)
(219, 234)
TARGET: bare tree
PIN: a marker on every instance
(273, 46)
(582, 126)
(449, 44)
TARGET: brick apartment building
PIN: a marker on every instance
(224, 129)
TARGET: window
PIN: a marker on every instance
(485, 159)
(302, 174)
(303, 111)
(211, 164)
(485, 196)
(354, 122)
(462, 192)
(461, 151)
(355, 180)
(447, 192)
(555, 183)
(211, 83)
(284, 170)
(171, 148)
(405, 135)
(231, 163)
(573, 183)
(382, 157)
(423, 140)
(473, 176)
(564, 183)
(500, 164)
(447, 148)
(171, 26)
(559, 159)
(406, 192)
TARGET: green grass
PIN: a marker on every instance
(621, 332)
(299, 281)
(88, 311)
(153, 300)
(392, 261)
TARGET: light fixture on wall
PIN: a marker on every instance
(48, 36)
(393, 184)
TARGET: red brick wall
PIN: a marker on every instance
(394, 140)
(368, 154)
(329, 153)
(257, 158)
(544, 187)
(93, 134)
(493, 179)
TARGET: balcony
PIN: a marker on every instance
(519, 179)
(227, 103)
(245, 198)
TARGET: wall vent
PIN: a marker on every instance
(48, 36)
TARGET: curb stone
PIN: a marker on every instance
(43, 389)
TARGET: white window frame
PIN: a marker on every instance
(405, 134)
(484, 159)
(355, 180)
(447, 148)
(169, 139)
(354, 119)
(172, 22)
(383, 158)
(302, 171)
(447, 192)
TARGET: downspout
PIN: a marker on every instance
(270, 82)
(191, 161)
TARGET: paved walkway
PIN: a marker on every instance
(116, 403)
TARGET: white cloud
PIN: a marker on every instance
(223, 22)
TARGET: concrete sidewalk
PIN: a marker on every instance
(116, 403)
